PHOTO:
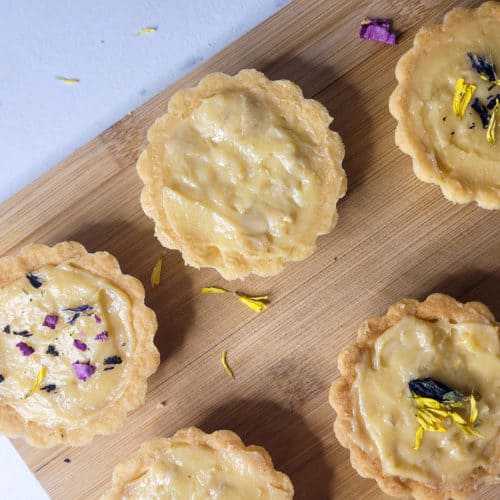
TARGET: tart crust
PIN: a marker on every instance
(436, 306)
(287, 98)
(252, 456)
(426, 165)
(141, 365)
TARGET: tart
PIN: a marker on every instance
(76, 343)
(445, 105)
(195, 465)
(242, 174)
(418, 399)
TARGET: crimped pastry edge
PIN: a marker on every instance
(425, 166)
(137, 464)
(434, 307)
(281, 92)
(143, 362)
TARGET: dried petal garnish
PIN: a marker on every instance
(52, 350)
(2, 378)
(6, 329)
(377, 30)
(113, 360)
(26, 349)
(84, 307)
(80, 345)
(225, 365)
(437, 404)
(492, 100)
(38, 380)
(490, 133)
(83, 371)
(34, 280)
(102, 335)
(484, 67)
(97, 319)
(73, 318)
(68, 81)
(23, 333)
(50, 321)
(147, 31)
(156, 274)
(256, 303)
(48, 388)
(481, 110)
(462, 97)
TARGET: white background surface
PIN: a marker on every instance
(42, 120)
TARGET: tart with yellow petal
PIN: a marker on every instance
(196, 465)
(418, 399)
(446, 105)
(76, 342)
(242, 174)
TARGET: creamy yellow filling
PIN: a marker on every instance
(464, 356)
(241, 176)
(24, 308)
(458, 146)
(200, 472)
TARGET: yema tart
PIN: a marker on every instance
(76, 343)
(242, 174)
(418, 399)
(196, 465)
(446, 105)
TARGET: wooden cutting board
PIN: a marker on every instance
(396, 237)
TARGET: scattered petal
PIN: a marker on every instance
(481, 110)
(490, 133)
(68, 81)
(256, 303)
(97, 319)
(83, 371)
(2, 378)
(377, 30)
(473, 409)
(418, 437)
(102, 335)
(462, 97)
(147, 31)
(52, 350)
(80, 345)
(48, 388)
(35, 281)
(25, 348)
(38, 380)
(50, 321)
(484, 67)
(225, 365)
(113, 360)
(156, 274)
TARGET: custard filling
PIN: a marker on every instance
(240, 177)
(465, 356)
(65, 339)
(200, 472)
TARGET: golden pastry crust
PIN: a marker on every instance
(287, 98)
(143, 362)
(252, 456)
(426, 163)
(436, 306)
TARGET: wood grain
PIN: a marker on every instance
(396, 237)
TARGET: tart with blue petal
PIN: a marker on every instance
(76, 343)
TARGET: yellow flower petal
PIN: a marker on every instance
(214, 289)
(462, 97)
(257, 303)
(473, 409)
(68, 81)
(148, 30)
(418, 437)
(38, 380)
(427, 402)
(225, 365)
(156, 273)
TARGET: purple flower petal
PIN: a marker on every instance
(83, 371)
(50, 321)
(377, 30)
(102, 336)
(25, 348)
(80, 345)
(97, 319)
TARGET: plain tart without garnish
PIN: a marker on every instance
(447, 104)
(242, 174)
(195, 465)
(76, 344)
(418, 399)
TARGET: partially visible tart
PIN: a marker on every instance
(418, 399)
(451, 144)
(195, 465)
(76, 344)
(242, 174)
